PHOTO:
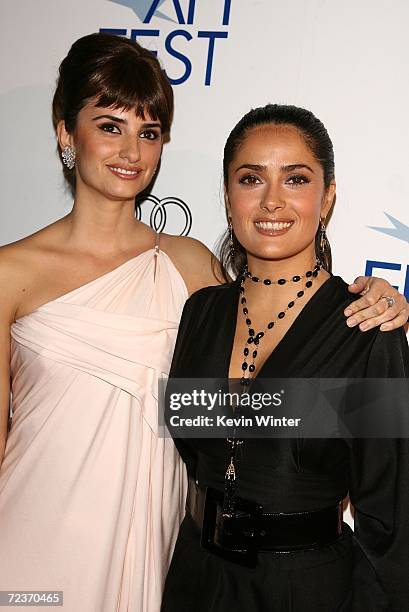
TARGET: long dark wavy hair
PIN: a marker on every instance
(319, 142)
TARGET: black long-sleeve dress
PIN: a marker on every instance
(364, 571)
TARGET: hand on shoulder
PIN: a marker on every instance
(195, 262)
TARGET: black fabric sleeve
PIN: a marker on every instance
(379, 491)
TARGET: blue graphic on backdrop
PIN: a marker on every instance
(142, 8)
(401, 232)
(147, 10)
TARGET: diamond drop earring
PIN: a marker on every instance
(68, 157)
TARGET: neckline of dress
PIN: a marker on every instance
(327, 284)
(156, 252)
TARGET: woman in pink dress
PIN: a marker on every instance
(91, 496)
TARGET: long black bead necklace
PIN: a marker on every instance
(254, 338)
(230, 480)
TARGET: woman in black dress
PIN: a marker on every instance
(279, 188)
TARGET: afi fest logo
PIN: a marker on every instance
(180, 13)
(401, 232)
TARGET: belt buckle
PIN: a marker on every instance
(216, 532)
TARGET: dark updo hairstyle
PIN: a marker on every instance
(118, 73)
(317, 139)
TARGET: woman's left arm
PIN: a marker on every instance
(199, 268)
(379, 491)
(372, 309)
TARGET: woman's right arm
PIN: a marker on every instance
(8, 306)
(4, 379)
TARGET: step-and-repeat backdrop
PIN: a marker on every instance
(346, 61)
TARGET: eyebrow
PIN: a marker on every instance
(111, 118)
(288, 168)
(124, 121)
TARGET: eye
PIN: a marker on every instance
(298, 179)
(249, 179)
(110, 128)
(150, 134)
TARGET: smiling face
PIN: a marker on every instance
(117, 152)
(275, 195)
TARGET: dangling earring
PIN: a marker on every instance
(231, 242)
(68, 157)
(324, 243)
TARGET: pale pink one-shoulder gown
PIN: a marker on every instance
(91, 497)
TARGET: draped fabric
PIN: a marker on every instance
(362, 572)
(91, 496)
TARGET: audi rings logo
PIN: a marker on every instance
(170, 212)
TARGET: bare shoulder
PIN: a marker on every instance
(20, 263)
(196, 263)
(12, 279)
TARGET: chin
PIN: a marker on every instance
(270, 251)
(118, 196)
(125, 192)
(279, 254)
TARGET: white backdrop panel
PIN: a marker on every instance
(346, 61)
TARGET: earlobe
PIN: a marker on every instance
(227, 204)
(64, 138)
(329, 200)
(65, 142)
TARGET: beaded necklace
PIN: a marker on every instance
(254, 338)
(230, 479)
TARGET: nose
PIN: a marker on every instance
(273, 198)
(130, 149)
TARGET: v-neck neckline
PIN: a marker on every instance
(289, 334)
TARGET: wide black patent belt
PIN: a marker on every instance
(240, 535)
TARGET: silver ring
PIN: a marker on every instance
(390, 300)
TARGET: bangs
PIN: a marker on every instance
(112, 72)
(132, 84)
